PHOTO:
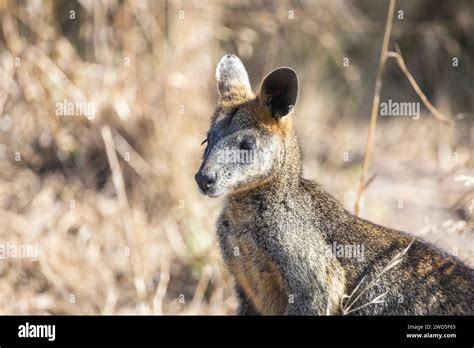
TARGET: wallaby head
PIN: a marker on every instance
(250, 135)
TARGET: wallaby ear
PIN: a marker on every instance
(232, 77)
(279, 91)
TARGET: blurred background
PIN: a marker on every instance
(109, 200)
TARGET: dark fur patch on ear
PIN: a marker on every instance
(279, 91)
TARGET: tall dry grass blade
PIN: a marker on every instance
(162, 285)
(375, 108)
(200, 291)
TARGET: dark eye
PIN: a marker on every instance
(248, 144)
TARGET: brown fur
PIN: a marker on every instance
(281, 127)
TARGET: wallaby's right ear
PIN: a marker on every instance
(232, 78)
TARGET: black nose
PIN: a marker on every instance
(205, 181)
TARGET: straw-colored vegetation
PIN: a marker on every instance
(110, 201)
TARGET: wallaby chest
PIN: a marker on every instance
(253, 268)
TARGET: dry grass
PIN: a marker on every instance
(111, 202)
(375, 107)
(348, 307)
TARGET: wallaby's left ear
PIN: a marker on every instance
(279, 91)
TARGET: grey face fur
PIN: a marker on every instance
(242, 148)
(237, 153)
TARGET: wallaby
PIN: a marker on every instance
(279, 233)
